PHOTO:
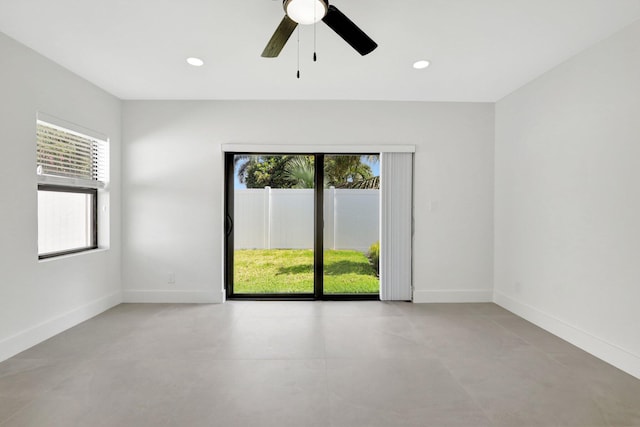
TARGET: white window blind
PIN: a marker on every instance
(67, 157)
(396, 231)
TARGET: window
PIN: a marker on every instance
(71, 168)
(67, 220)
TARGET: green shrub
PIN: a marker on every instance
(374, 256)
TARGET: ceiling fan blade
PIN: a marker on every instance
(279, 38)
(349, 31)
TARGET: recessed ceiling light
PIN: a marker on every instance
(196, 62)
(420, 65)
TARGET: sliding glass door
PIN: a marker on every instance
(351, 224)
(273, 224)
(295, 230)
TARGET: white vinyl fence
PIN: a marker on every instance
(64, 221)
(283, 218)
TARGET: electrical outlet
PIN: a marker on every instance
(172, 278)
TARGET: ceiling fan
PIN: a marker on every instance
(308, 12)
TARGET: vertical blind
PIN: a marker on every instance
(396, 231)
(70, 158)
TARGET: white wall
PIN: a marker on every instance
(567, 210)
(173, 181)
(40, 299)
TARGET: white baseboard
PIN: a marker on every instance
(27, 338)
(178, 297)
(446, 296)
(615, 355)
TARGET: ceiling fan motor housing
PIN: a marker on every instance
(306, 12)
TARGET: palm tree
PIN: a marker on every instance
(300, 171)
(372, 183)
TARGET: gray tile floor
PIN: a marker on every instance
(304, 364)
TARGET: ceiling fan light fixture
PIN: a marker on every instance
(306, 12)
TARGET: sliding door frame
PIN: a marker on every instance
(318, 238)
(229, 235)
(318, 222)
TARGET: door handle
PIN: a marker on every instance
(228, 225)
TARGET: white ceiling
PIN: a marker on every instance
(481, 50)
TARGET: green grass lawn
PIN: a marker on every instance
(291, 271)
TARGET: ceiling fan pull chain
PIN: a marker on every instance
(315, 25)
(315, 57)
(298, 74)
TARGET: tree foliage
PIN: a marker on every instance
(263, 171)
(343, 171)
(288, 171)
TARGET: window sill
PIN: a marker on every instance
(77, 254)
